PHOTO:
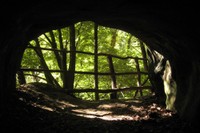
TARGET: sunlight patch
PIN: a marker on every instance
(66, 104)
(43, 107)
(112, 105)
(91, 112)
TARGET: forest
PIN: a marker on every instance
(88, 61)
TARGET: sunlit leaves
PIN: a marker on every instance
(110, 41)
(30, 59)
(85, 63)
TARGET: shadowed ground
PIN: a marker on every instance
(48, 110)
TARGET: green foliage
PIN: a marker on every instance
(30, 59)
(84, 62)
(110, 41)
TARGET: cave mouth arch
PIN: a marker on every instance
(164, 27)
(157, 40)
(91, 112)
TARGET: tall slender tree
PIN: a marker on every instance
(50, 79)
(96, 84)
(72, 63)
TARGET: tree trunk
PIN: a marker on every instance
(63, 60)
(54, 46)
(50, 79)
(72, 63)
(21, 77)
(96, 61)
(113, 78)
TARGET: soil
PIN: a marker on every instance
(43, 109)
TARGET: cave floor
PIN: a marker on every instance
(34, 110)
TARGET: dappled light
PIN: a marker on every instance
(56, 100)
(51, 110)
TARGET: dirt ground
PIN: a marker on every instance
(46, 110)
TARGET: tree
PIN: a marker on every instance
(86, 55)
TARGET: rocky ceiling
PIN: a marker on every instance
(171, 28)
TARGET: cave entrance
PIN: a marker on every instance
(88, 61)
